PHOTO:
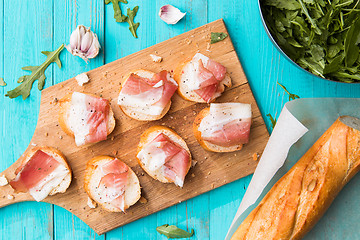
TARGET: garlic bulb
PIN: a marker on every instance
(83, 43)
(170, 14)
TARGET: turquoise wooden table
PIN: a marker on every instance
(29, 27)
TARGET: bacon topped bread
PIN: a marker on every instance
(86, 117)
(164, 155)
(43, 171)
(145, 95)
(201, 79)
(223, 127)
(111, 183)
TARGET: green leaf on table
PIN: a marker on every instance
(37, 73)
(130, 19)
(171, 231)
(291, 95)
(119, 17)
(2, 82)
(217, 37)
(273, 120)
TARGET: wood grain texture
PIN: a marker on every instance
(213, 169)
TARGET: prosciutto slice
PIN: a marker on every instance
(88, 118)
(168, 156)
(206, 77)
(149, 96)
(113, 183)
(39, 176)
(227, 124)
(36, 169)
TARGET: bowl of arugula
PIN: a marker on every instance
(320, 36)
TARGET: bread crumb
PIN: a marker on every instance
(61, 137)
(193, 163)
(10, 197)
(193, 174)
(213, 185)
(143, 200)
(33, 144)
(255, 156)
(112, 138)
(188, 41)
(82, 78)
(142, 174)
(156, 58)
(91, 203)
(46, 134)
(3, 181)
(209, 173)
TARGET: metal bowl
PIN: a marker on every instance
(283, 53)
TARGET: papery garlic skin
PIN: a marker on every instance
(83, 43)
(170, 14)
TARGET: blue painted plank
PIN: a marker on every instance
(21, 45)
(68, 15)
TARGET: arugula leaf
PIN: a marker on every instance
(2, 82)
(291, 95)
(174, 232)
(130, 20)
(288, 4)
(351, 44)
(273, 120)
(321, 36)
(37, 73)
(119, 17)
(217, 37)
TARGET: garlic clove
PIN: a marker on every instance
(74, 43)
(170, 14)
(93, 51)
(86, 42)
(83, 43)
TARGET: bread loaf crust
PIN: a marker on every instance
(300, 198)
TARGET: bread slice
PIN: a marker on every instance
(93, 177)
(133, 112)
(148, 136)
(58, 156)
(65, 104)
(180, 74)
(205, 144)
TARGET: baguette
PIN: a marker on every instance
(58, 183)
(299, 199)
(93, 176)
(159, 174)
(64, 113)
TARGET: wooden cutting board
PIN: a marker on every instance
(212, 169)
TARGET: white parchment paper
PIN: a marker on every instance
(299, 125)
